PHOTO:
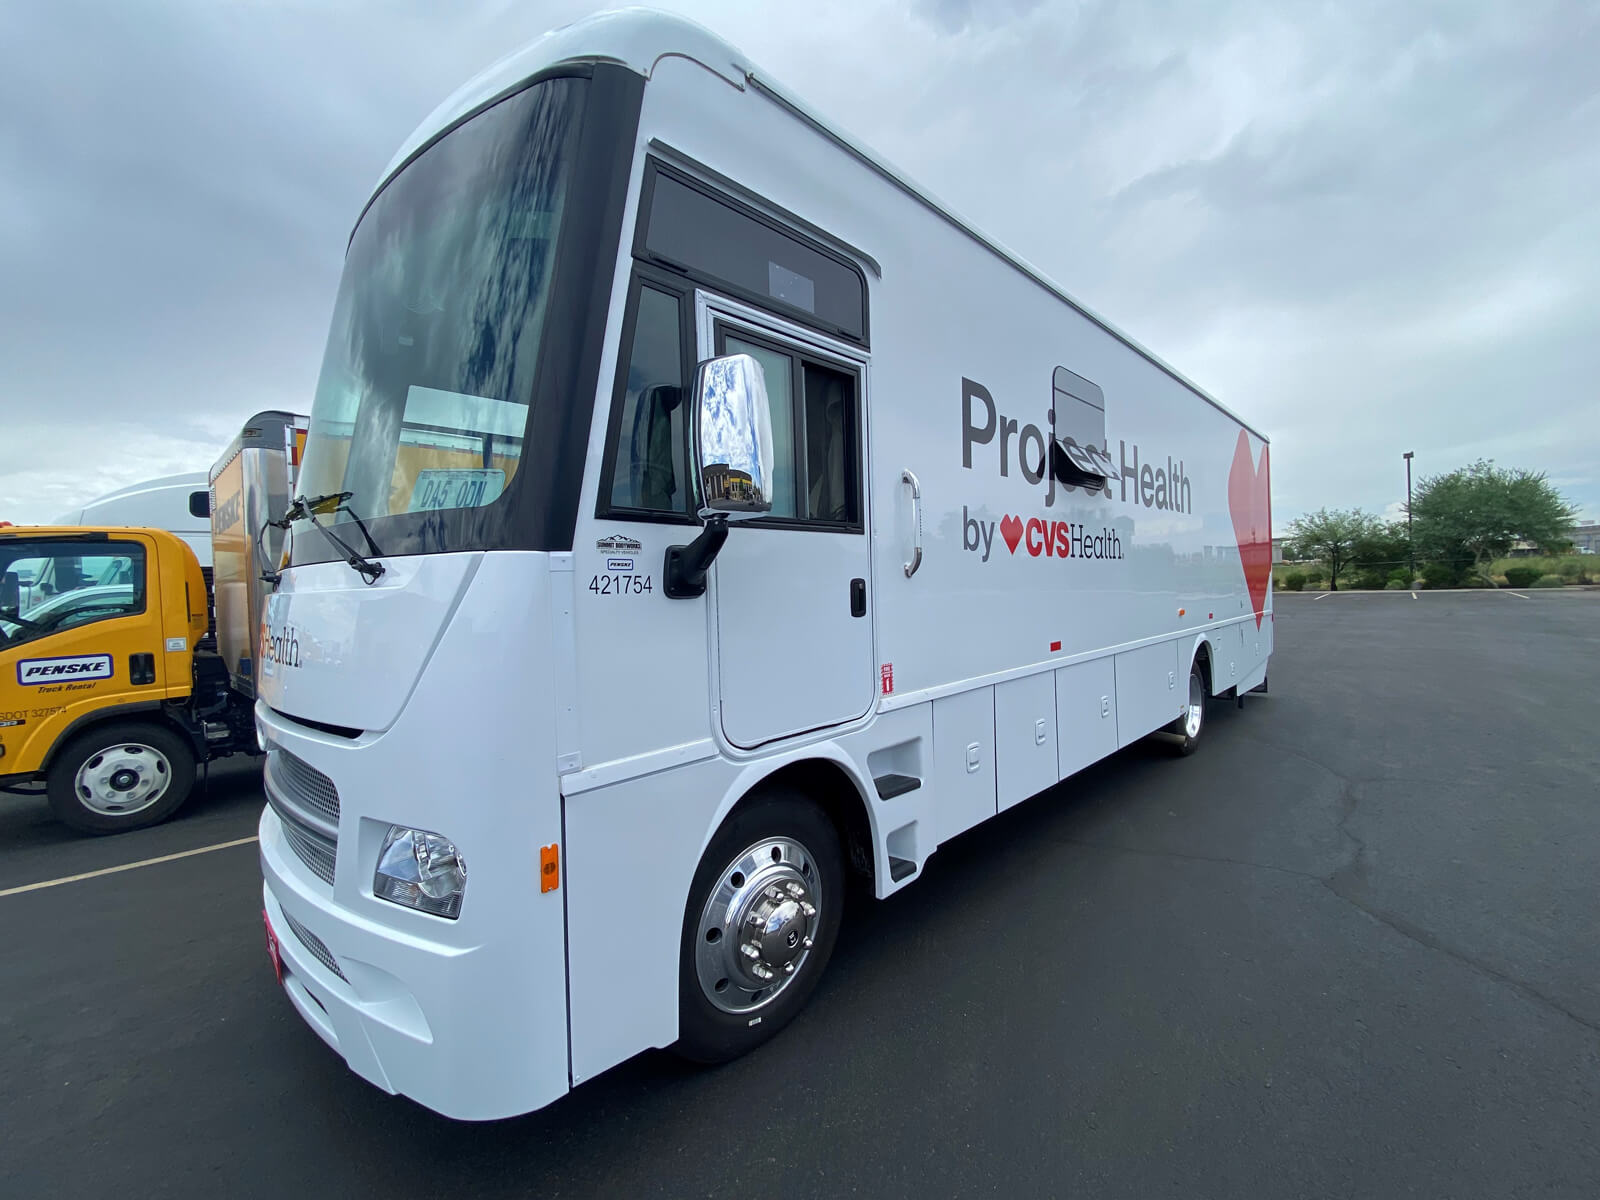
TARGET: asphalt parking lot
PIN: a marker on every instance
(1350, 948)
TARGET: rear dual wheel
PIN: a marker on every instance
(760, 926)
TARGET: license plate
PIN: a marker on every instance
(272, 948)
(441, 488)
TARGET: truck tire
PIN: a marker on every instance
(121, 775)
(760, 925)
(1190, 727)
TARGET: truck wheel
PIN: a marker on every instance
(123, 775)
(762, 918)
(1192, 724)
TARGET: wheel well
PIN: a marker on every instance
(836, 794)
(1203, 657)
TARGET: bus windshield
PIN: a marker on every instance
(422, 405)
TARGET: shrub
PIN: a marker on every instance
(1548, 581)
(1401, 576)
(1397, 585)
(1295, 580)
(1315, 574)
(1438, 575)
(1521, 577)
(1369, 580)
(1570, 569)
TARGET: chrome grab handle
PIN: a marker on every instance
(916, 522)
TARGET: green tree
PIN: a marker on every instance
(1381, 544)
(1332, 535)
(1476, 514)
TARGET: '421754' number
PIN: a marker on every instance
(620, 585)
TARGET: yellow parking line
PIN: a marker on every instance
(148, 862)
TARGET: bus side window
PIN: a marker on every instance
(649, 469)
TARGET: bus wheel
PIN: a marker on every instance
(123, 775)
(1189, 727)
(762, 918)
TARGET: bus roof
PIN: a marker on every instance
(639, 38)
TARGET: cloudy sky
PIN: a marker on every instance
(1370, 227)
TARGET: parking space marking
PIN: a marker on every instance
(148, 862)
(1519, 595)
(1324, 596)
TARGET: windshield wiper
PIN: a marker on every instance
(335, 502)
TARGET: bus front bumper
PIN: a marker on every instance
(405, 1013)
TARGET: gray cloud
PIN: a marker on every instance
(1369, 227)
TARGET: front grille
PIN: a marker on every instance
(308, 805)
(317, 852)
(301, 783)
(314, 944)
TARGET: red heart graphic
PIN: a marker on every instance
(1250, 502)
(1011, 530)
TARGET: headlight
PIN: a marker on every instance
(420, 870)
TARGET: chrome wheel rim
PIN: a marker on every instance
(123, 779)
(1196, 713)
(758, 926)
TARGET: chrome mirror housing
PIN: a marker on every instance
(733, 438)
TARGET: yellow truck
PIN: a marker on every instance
(105, 699)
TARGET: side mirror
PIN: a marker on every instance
(10, 593)
(732, 423)
(200, 505)
(733, 438)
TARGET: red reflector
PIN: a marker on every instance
(272, 948)
(1054, 646)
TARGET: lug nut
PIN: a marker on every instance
(788, 968)
(750, 950)
(808, 908)
(806, 943)
(796, 890)
(760, 972)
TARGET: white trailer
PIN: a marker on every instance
(706, 513)
(175, 503)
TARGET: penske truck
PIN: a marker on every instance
(113, 691)
(697, 514)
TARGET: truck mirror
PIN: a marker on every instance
(733, 437)
(200, 505)
(10, 593)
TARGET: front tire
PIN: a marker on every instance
(119, 776)
(1191, 726)
(759, 928)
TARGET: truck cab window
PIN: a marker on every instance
(650, 469)
(63, 585)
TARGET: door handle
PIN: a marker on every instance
(858, 597)
(141, 668)
(916, 522)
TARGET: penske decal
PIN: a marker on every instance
(74, 669)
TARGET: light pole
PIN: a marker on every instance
(1411, 548)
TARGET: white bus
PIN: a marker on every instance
(695, 513)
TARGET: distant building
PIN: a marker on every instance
(1585, 540)
(1277, 550)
